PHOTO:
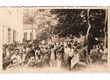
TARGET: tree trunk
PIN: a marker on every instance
(105, 33)
(87, 40)
(89, 26)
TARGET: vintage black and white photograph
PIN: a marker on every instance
(50, 40)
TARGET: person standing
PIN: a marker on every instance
(17, 56)
(88, 60)
(93, 54)
(31, 62)
(67, 51)
(6, 61)
(29, 51)
(24, 53)
(70, 58)
(44, 62)
(58, 63)
(38, 53)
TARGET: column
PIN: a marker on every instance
(16, 36)
(20, 37)
(34, 34)
(11, 37)
(5, 35)
(28, 35)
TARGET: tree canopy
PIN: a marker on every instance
(74, 21)
(67, 22)
(70, 21)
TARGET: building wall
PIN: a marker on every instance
(11, 19)
(27, 28)
(28, 32)
(1, 46)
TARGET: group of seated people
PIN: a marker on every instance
(98, 52)
(49, 55)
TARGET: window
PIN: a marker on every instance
(25, 35)
(9, 35)
(14, 35)
(30, 35)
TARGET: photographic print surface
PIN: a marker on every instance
(54, 39)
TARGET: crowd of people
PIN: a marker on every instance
(65, 54)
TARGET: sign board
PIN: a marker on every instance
(55, 40)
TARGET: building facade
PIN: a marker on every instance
(11, 23)
(27, 31)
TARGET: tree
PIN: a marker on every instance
(70, 21)
(66, 22)
(43, 19)
(105, 29)
(74, 21)
(97, 22)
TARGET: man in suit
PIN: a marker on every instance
(59, 63)
(44, 62)
(31, 62)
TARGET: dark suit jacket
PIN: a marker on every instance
(54, 63)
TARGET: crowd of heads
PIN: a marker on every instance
(48, 54)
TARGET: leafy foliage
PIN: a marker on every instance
(74, 21)
(70, 21)
(66, 22)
